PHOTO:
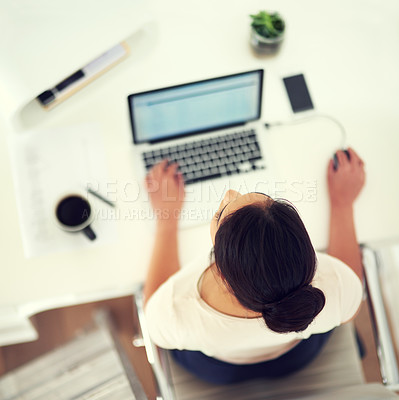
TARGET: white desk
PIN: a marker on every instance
(349, 54)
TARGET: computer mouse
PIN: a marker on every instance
(335, 159)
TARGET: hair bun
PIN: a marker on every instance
(295, 311)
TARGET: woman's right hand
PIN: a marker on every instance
(346, 182)
(165, 186)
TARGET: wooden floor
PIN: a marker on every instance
(55, 327)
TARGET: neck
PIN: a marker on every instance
(215, 293)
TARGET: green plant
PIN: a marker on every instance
(269, 25)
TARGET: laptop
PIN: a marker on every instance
(210, 128)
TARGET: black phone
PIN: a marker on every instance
(298, 93)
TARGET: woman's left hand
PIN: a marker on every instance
(165, 186)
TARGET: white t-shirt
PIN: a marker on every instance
(178, 318)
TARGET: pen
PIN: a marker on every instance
(95, 194)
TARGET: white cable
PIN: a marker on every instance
(310, 117)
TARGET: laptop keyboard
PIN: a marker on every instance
(211, 158)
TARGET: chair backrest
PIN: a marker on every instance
(156, 356)
(375, 261)
(337, 366)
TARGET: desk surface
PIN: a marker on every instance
(349, 55)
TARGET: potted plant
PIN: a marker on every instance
(267, 31)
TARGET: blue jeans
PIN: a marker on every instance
(219, 372)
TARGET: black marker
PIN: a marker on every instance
(49, 96)
(71, 79)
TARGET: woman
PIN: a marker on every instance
(266, 303)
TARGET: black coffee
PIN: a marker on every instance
(73, 211)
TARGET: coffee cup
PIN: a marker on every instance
(74, 213)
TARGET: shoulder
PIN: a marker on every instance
(333, 268)
(175, 297)
(183, 283)
(341, 286)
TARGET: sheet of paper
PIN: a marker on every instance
(47, 165)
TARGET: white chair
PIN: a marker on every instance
(381, 265)
(335, 373)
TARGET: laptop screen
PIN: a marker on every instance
(196, 107)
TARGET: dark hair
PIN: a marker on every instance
(265, 256)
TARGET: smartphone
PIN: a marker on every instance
(298, 93)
